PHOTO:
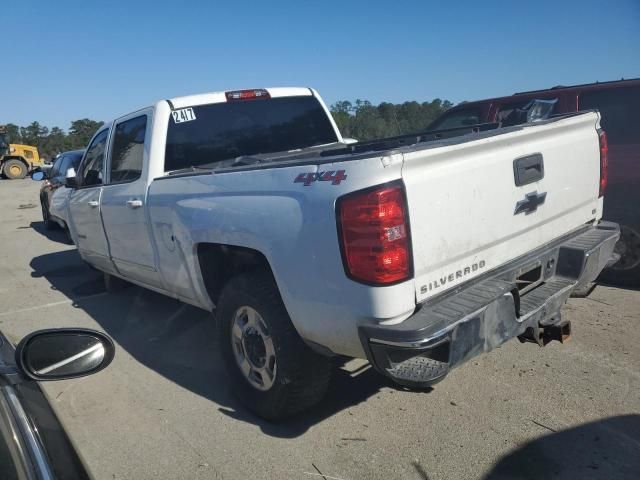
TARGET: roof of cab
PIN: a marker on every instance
(219, 97)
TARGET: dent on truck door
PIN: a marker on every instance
(84, 205)
(124, 209)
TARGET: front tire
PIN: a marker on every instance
(272, 371)
(14, 169)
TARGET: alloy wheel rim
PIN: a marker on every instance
(253, 348)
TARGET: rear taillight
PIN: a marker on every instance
(374, 233)
(256, 94)
(604, 161)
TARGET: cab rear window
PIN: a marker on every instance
(224, 131)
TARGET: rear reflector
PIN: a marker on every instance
(256, 94)
(374, 233)
(604, 162)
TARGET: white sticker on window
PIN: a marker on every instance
(183, 115)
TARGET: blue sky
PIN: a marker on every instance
(76, 59)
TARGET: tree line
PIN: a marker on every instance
(361, 120)
(364, 121)
(51, 142)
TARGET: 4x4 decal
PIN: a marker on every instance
(333, 176)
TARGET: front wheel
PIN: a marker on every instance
(272, 371)
(14, 169)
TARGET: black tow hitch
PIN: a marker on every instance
(560, 330)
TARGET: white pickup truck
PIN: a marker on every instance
(416, 252)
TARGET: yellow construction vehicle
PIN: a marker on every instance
(16, 161)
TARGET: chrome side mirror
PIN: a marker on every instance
(38, 176)
(70, 180)
(62, 353)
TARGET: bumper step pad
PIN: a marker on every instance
(417, 371)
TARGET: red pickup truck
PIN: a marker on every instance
(619, 105)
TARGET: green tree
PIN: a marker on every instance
(56, 142)
(81, 132)
(33, 134)
(365, 121)
(13, 133)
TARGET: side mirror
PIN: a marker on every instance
(38, 176)
(349, 141)
(70, 180)
(62, 353)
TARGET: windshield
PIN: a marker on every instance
(4, 145)
(222, 131)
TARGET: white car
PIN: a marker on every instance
(415, 252)
(53, 193)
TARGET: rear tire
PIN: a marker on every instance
(280, 375)
(14, 169)
(46, 217)
(625, 272)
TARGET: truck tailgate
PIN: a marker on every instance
(468, 215)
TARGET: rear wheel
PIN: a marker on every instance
(626, 271)
(46, 217)
(272, 371)
(14, 169)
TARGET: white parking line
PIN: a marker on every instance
(53, 304)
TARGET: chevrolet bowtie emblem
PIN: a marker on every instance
(530, 203)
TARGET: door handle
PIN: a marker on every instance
(93, 203)
(528, 169)
(134, 203)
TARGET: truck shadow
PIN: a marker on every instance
(180, 343)
(55, 235)
(607, 448)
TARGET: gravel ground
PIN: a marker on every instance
(163, 409)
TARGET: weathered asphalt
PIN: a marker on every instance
(163, 409)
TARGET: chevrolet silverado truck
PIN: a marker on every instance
(415, 252)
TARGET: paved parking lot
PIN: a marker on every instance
(163, 409)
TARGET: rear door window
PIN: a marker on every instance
(127, 153)
(620, 111)
(458, 118)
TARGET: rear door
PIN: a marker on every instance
(84, 205)
(470, 213)
(124, 199)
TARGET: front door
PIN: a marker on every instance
(84, 205)
(124, 200)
